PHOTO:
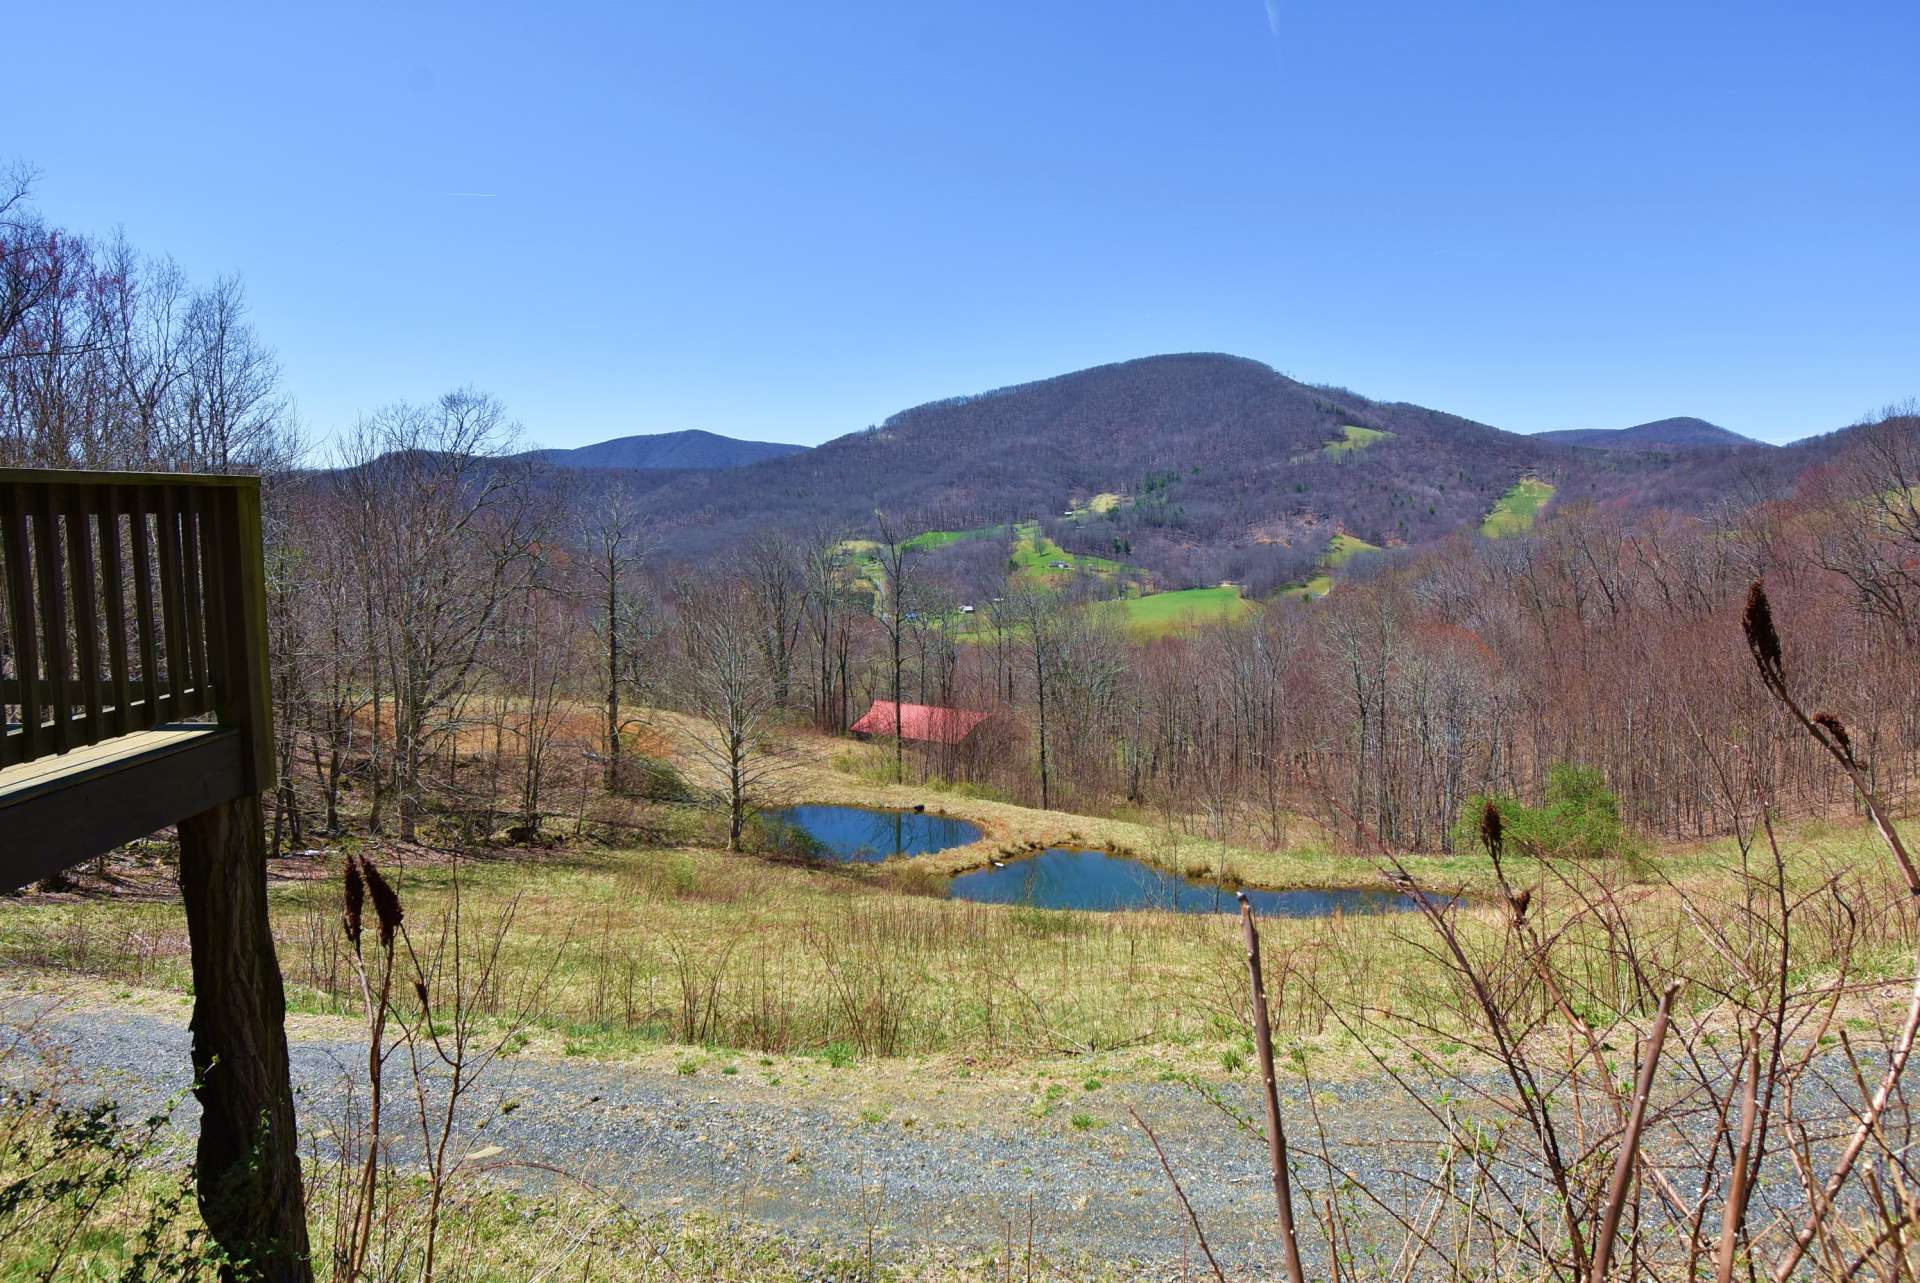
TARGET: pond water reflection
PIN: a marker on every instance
(1060, 878)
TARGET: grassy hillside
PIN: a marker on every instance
(1355, 438)
(1163, 613)
(1341, 549)
(928, 540)
(1039, 558)
(1517, 509)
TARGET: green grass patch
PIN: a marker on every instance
(1161, 613)
(1515, 512)
(1318, 586)
(1354, 439)
(929, 540)
(1341, 549)
(1037, 557)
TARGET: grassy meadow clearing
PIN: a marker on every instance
(669, 947)
(1164, 613)
(1341, 549)
(1354, 438)
(862, 993)
(1516, 510)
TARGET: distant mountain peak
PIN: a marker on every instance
(691, 449)
(1680, 433)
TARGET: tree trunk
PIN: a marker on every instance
(248, 1168)
(898, 730)
(613, 675)
(1040, 689)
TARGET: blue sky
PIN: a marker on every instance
(786, 221)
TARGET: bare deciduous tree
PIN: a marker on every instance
(721, 683)
(440, 523)
(898, 561)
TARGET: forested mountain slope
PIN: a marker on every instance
(1205, 449)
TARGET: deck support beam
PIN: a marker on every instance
(248, 1166)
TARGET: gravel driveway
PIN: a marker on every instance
(960, 1171)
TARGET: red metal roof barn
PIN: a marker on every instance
(921, 723)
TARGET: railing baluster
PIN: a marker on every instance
(53, 618)
(113, 589)
(170, 607)
(214, 551)
(72, 626)
(192, 561)
(85, 599)
(248, 702)
(142, 542)
(26, 642)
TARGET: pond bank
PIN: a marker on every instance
(1009, 831)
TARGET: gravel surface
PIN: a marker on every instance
(960, 1173)
(957, 1169)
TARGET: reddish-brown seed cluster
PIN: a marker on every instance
(1492, 828)
(355, 897)
(1762, 638)
(362, 880)
(1834, 727)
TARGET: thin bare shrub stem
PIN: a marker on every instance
(377, 1008)
(1180, 1194)
(1736, 1212)
(1276, 1136)
(1826, 732)
(1823, 1200)
(1630, 1143)
(1519, 1071)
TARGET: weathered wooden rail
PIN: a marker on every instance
(132, 659)
(134, 695)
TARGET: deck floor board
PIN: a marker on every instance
(42, 774)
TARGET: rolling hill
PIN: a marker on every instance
(1206, 451)
(672, 451)
(1189, 470)
(1662, 434)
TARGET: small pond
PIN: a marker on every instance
(1059, 878)
(862, 835)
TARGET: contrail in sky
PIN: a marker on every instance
(1273, 17)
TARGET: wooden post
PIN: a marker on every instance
(248, 1166)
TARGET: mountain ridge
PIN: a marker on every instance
(1193, 468)
(688, 449)
(1217, 452)
(1679, 433)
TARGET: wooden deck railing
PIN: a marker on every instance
(130, 601)
(129, 605)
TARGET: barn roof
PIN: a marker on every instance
(925, 723)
